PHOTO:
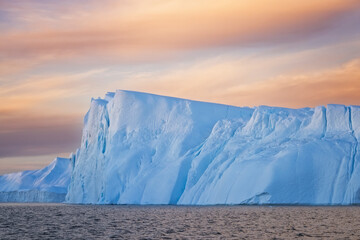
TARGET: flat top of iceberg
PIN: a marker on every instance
(139, 94)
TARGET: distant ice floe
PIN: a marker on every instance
(45, 185)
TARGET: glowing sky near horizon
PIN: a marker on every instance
(56, 55)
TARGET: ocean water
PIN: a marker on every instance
(60, 221)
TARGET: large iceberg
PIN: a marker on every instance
(45, 185)
(140, 148)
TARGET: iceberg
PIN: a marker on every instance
(140, 148)
(45, 185)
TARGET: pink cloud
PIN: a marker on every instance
(149, 29)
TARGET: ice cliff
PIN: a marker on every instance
(45, 185)
(140, 148)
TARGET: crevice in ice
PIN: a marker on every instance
(337, 179)
(181, 180)
(261, 198)
(354, 148)
(233, 183)
(325, 122)
(107, 119)
(297, 190)
(104, 146)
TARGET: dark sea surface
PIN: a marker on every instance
(60, 221)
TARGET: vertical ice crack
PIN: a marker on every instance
(325, 122)
(354, 148)
(336, 180)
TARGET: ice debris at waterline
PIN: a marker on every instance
(140, 148)
(45, 185)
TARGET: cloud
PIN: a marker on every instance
(129, 31)
(43, 114)
(23, 135)
(227, 81)
(35, 92)
(339, 85)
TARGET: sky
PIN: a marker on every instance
(56, 55)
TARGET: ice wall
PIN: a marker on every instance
(140, 148)
(45, 185)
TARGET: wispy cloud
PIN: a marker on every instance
(151, 29)
(339, 85)
(287, 79)
(28, 94)
(38, 135)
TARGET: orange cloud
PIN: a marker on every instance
(49, 93)
(148, 30)
(227, 82)
(340, 85)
